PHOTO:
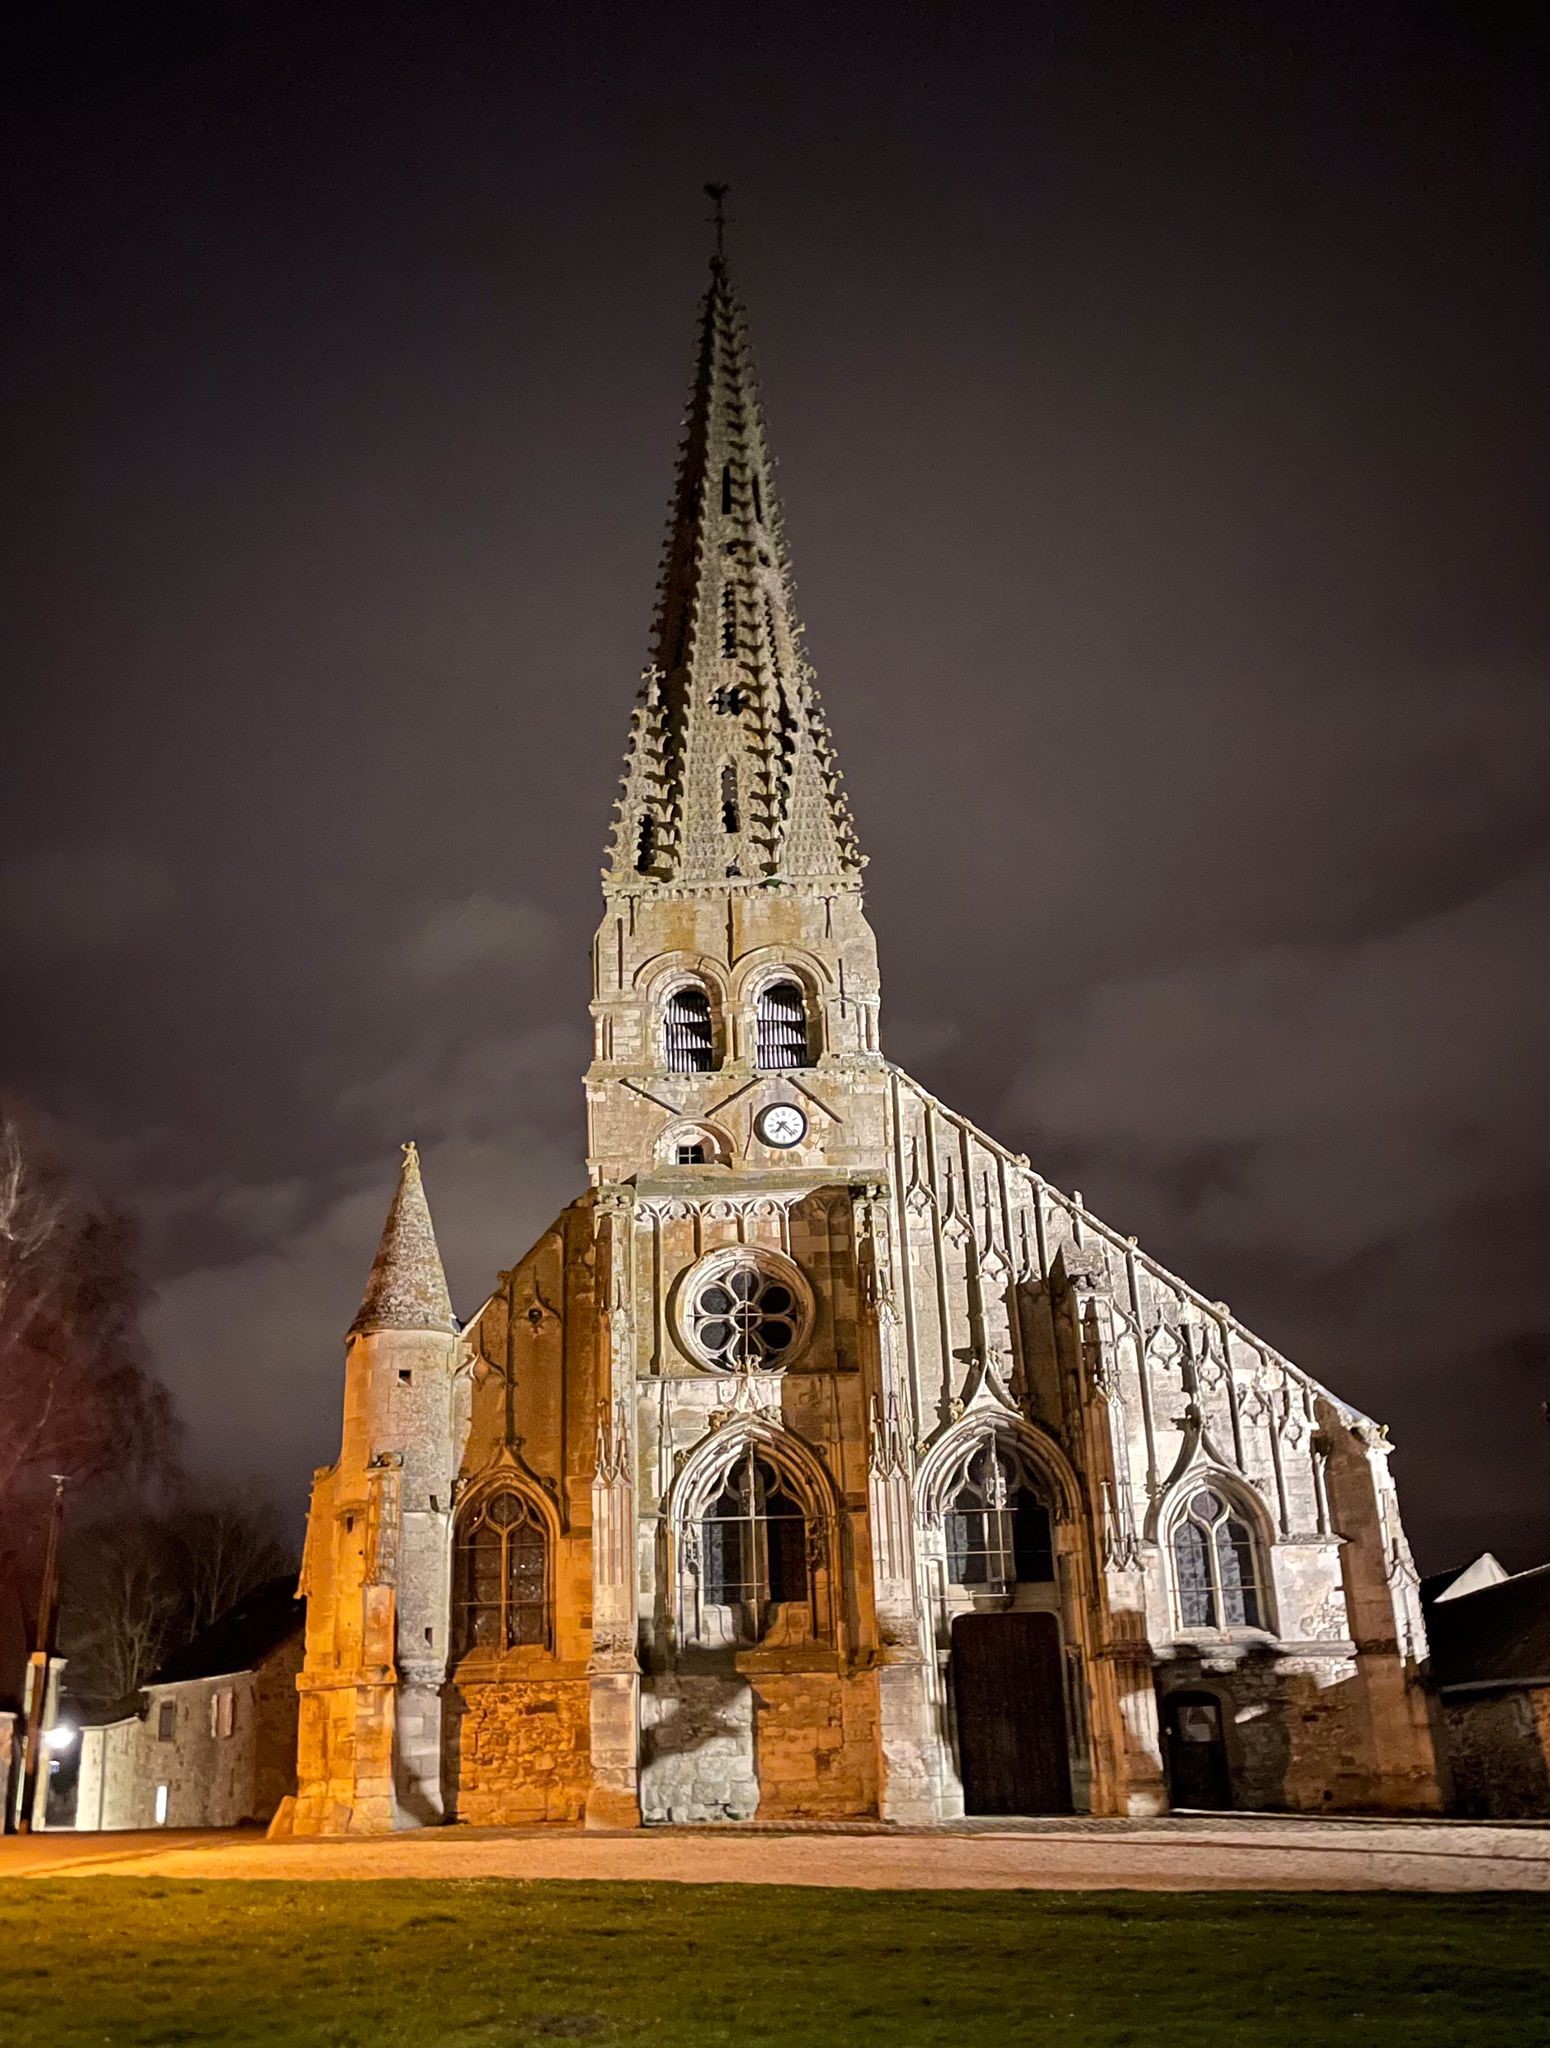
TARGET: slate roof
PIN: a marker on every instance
(407, 1289)
(1499, 1635)
(244, 1636)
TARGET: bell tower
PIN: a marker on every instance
(734, 972)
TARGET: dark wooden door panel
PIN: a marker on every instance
(1198, 1774)
(1011, 1711)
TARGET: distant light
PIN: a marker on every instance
(61, 1736)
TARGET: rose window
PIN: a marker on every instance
(745, 1313)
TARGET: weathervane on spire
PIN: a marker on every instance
(717, 194)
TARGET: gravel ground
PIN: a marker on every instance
(1169, 1855)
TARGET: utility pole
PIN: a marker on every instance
(39, 1662)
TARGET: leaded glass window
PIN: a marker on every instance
(782, 1026)
(753, 1542)
(502, 1593)
(1216, 1565)
(688, 1039)
(998, 1530)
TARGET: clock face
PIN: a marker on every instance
(782, 1124)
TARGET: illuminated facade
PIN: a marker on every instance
(821, 1459)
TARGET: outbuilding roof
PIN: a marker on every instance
(1496, 1636)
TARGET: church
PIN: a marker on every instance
(821, 1460)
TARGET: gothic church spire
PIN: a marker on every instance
(408, 1288)
(730, 772)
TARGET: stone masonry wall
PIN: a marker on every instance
(697, 1749)
(523, 1751)
(1496, 1751)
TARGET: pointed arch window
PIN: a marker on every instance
(781, 1018)
(688, 1037)
(731, 810)
(726, 486)
(501, 1574)
(758, 499)
(753, 1544)
(728, 619)
(998, 1529)
(1216, 1565)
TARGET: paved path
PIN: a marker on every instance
(1177, 1854)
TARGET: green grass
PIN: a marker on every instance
(142, 1963)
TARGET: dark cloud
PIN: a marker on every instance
(1162, 408)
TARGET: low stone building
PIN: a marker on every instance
(822, 1458)
(215, 1744)
(1490, 1675)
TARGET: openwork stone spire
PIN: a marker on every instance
(407, 1289)
(730, 772)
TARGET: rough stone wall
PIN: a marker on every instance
(523, 1748)
(815, 1739)
(697, 1748)
(1495, 1749)
(276, 1710)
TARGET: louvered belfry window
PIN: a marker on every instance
(688, 1041)
(782, 1021)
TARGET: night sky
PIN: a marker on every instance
(1161, 401)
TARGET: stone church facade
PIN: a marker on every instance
(821, 1459)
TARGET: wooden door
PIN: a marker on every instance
(1011, 1710)
(1197, 1751)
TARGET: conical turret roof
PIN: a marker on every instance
(408, 1288)
(730, 772)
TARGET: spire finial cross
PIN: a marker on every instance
(717, 194)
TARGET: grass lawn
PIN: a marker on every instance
(486, 1963)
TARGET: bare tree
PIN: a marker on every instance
(75, 1392)
(119, 1616)
(228, 1545)
(140, 1584)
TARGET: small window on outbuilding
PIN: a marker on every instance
(166, 1720)
(691, 1155)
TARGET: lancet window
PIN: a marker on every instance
(688, 1037)
(1216, 1565)
(502, 1574)
(781, 1018)
(997, 1528)
(753, 1547)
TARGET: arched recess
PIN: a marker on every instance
(659, 980)
(767, 968)
(1067, 1593)
(980, 1426)
(686, 1136)
(493, 1580)
(695, 1503)
(1218, 1566)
